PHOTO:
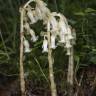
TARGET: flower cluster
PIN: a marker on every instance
(55, 23)
(31, 16)
(60, 28)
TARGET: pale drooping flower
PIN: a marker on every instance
(30, 14)
(74, 37)
(62, 37)
(40, 3)
(45, 45)
(68, 44)
(62, 27)
(35, 14)
(68, 51)
(69, 33)
(62, 30)
(26, 46)
(34, 38)
(38, 14)
(62, 24)
(53, 22)
(51, 19)
(56, 26)
(74, 33)
(43, 9)
(26, 26)
(53, 45)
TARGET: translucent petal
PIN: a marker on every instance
(62, 27)
(53, 23)
(68, 52)
(31, 16)
(62, 38)
(68, 45)
(26, 43)
(26, 46)
(53, 45)
(69, 33)
(26, 26)
(70, 37)
(38, 13)
(33, 36)
(45, 46)
(27, 50)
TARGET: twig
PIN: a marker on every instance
(79, 88)
(5, 48)
(93, 86)
(41, 70)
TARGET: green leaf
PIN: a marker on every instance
(93, 60)
(88, 10)
(80, 13)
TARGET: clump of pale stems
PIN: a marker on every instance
(59, 28)
(58, 32)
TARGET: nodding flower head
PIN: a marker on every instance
(30, 14)
(62, 23)
(62, 27)
(53, 45)
(42, 6)
(69, 33)
(68, 51)
(26, 26)
(62, 18)
(62, 37)
(38, 14)
(40, 3)
(53, 23)
(68, 45)
(56, 26)
(45, 45)
(74, 37)
(26, 46)
(34, 38)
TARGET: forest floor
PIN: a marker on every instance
(9, 85)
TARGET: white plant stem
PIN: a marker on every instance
(70, 74)
(22, 81)
(51, 73)
(62, 27)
